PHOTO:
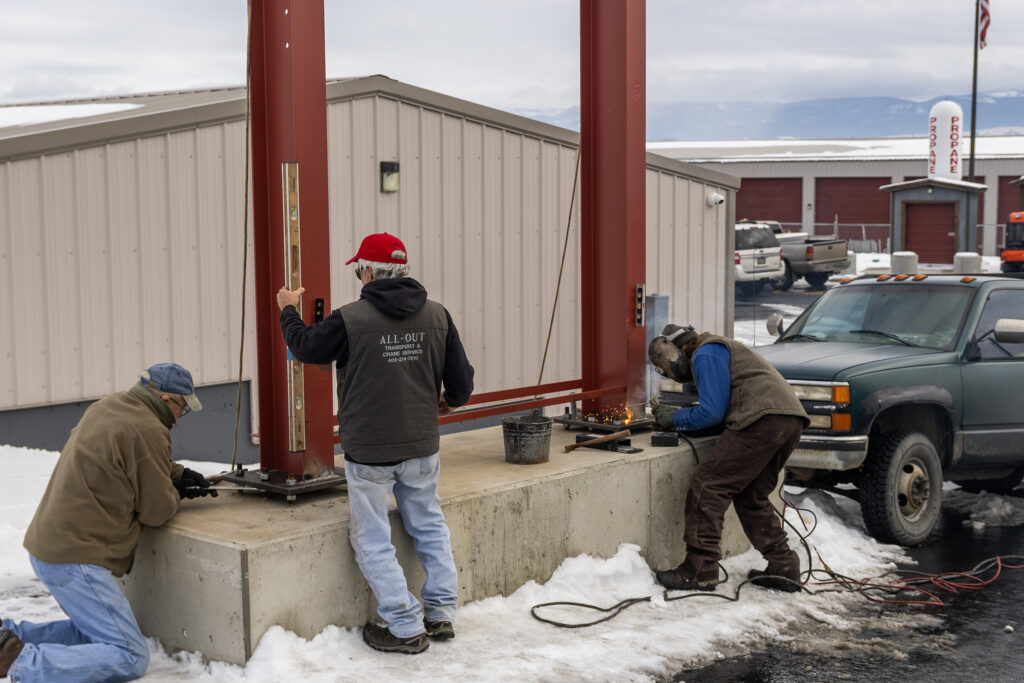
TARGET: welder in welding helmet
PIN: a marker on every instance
(665, 352)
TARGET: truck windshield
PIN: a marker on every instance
(756, 238)
(1015, 235)
(885, 313)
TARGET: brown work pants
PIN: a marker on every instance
(743, 469)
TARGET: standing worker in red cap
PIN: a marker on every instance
(395, 350)
(114, 476)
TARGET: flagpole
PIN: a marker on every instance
(974, 88)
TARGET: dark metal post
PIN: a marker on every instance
(612, 198)
(289, 152)
(974, 90)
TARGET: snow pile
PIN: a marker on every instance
(497, 637)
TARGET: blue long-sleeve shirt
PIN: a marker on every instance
(711, 372)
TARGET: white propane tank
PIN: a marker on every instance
(945, 137)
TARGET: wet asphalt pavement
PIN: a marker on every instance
(966, 639)
(977, 635)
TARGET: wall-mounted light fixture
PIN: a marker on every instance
(389, 176)
(931, 190)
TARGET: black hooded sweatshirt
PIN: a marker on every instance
(395, 350)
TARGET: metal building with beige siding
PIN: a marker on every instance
(122, 240)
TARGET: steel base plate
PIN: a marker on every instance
(277, 482)
(610, 427)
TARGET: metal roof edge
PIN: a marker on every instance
(64, 136)
(229, 105)
(692, 170)
(938, 182)
(383, 85)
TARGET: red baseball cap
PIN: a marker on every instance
(382, 248)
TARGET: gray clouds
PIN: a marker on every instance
(523, 54)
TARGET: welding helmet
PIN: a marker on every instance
(665, 352)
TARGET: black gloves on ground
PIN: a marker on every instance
(663, 417)
(192, 485)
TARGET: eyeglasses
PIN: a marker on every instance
(359, 273)
(185, 408)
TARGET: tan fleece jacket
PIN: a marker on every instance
(113, 476)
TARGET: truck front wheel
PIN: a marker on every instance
(901, 488)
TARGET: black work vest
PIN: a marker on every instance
(389, 389)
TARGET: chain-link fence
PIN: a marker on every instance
(873, 238)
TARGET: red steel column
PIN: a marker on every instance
(612, 196)
(289, 124)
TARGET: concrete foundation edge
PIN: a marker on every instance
(203, 594)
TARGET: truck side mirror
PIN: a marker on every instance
(774, 324)
(1009, 331)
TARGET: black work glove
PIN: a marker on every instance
(663, 415)
(193, 478)
(192, 485)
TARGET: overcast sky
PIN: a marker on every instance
(523, 55)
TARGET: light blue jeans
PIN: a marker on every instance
(414, 483)
(100, 641)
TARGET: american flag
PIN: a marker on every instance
(983, 23)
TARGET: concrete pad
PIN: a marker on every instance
(225, 570)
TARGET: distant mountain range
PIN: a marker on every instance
(841, 117)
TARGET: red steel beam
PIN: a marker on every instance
(474, 413)
(612, 197)
(289, 124)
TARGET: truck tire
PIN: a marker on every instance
(901, 488)
(785, 282)
(816, 280)
(1002, 486)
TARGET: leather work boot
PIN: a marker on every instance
(783, 575)
(380, 638)
(10, 648)
(683, 578)
(439, 630)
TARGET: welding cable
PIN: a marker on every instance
(831, 581)
(619, 607)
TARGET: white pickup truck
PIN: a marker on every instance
(812, 258)
(757, 258)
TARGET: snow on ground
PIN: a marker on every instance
(497, 638)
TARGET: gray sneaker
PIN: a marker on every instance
(439, 630)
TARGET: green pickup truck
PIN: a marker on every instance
(909, 381)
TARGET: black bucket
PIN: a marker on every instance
(527, 438)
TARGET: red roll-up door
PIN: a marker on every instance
(770, 199)
(930, 231)
(851, 201)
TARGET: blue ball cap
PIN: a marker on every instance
(173, 379)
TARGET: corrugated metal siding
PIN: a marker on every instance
(483, 214)
(689, 249)
(121, 255)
